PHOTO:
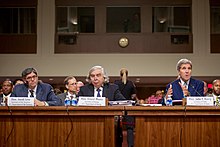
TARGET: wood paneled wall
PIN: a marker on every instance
(18, 44)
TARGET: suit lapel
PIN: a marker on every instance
(191, 83)
(39, 92)
(105, 90)
(25, 91)
(91, 90)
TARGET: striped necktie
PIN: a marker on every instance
(32, 93)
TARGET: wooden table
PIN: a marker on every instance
(50, 126)
(176, 126)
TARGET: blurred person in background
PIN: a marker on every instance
(216, 91)
(79, 84)
(7, 87)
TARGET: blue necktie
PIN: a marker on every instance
(98, 94)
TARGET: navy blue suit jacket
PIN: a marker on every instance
(195, 87)
(110, 91)
(44, 93)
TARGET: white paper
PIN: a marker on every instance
(92, 101)
(200, 101)
(20, 101)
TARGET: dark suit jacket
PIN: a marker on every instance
(195, 87)
(62, 97)
(1, 97)
(110, 91)
(44, 93)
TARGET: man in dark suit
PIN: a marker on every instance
(184, 85)
(99, 86)
(42, 93)
(71, 86)
(128, 89)
(216, 91)
(7, 87)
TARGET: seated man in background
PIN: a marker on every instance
(159, 95)
(216, 91)
(18, 81)
(99, 86)
(78, 85)
(42, 92)
(185, 85)
(71, 86)
(205, 88)
(7, 87)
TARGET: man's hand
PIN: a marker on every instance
(38, 103)
(185, 90)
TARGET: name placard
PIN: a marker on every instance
(200, 101)
(91, 101)
(20, 101)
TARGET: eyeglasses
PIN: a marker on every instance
(73, 84)
(32, 77)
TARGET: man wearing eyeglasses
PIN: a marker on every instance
(71, 86)
(42, 93)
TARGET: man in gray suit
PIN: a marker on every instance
(42, 93)
(71, 86)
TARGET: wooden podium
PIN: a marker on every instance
(50, 126)
(176, 126)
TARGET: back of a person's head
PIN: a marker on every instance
(124, 74)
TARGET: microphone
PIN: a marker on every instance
(195, 89)
(13, 125)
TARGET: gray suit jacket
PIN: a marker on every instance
(44, 93)
(110, 91)
(62, 97)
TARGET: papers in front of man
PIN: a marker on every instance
(200, 101)
(91, 101)
(20, 101)
(122, 103)
(150, 104)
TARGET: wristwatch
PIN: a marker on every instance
(123, 42)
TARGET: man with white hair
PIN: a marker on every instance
(99, 85)
(185, 85)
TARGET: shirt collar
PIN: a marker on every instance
(7, 95)
(182, 82)
(35, 89)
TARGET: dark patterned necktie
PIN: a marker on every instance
(98, 94)
(32, 93)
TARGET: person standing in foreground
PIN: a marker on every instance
(99, 85)
(128, 90)
(42, 93)
(185, 85)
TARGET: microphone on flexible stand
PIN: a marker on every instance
(13, 123)
(195, 89)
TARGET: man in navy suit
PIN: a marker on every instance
(99, 86)
(185, 85)
(42, 93)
